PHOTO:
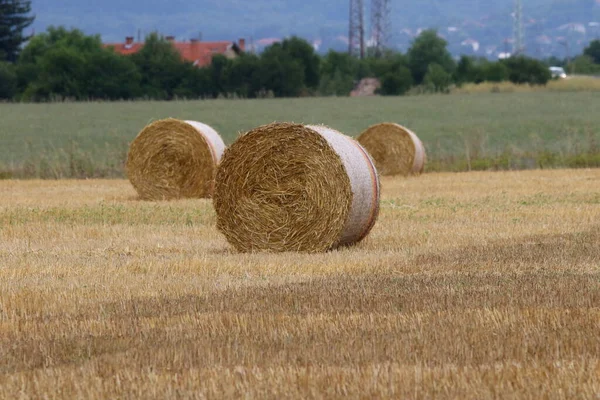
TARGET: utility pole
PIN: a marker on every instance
(356, 34)
(518, 30)
(380, 25)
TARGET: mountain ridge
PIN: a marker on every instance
(477, 27)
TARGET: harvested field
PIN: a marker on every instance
(474, 285)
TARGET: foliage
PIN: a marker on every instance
(437, 79)
(428, 48)
(593, 51)
(524, 70)
(241, 76)
(67, 64)
(302, 51)
(466, 70)
(494, 72)
(14, 18)
(397, 82)
(584, 65)
(280, 73)
(161, 68)
(338, 73)
(8, 81)
(290, 67)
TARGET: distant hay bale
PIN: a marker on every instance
(290, 187)
(171, 159)
(395, 149)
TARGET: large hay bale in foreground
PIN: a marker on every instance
(290, 187)
(172, 159)
(395, 149)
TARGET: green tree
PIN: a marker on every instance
(8, 81)
(281, 73)
(585, 65)
(379, 67)
(110, 76)
(160, 66)
(53, 63)
(428, 48)
(61, 74)
(218, 75)
(195, 83)
(593, 51)
(293, 55)
(468, 70)
(14, 18)
(397, 82)
(338, 73)
(437, 79)
(242, 76)
(304, 53)
(69, 64)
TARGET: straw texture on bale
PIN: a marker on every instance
(395, 149)
(290, 187)
(172, 159)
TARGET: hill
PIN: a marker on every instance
(477, 27)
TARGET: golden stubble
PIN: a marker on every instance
(474, 285)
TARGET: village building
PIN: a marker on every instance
(198, 52)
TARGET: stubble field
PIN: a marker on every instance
(474, 285)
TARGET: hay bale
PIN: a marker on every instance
(395, 149)
(290, 187)
(172, 159)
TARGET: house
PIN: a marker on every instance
(195, 51)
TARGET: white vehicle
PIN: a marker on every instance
(558, 72)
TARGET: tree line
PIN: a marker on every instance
(67, 64)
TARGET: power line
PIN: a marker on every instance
(380, 25)
(518, 30)
(356, 34)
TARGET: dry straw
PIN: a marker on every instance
(172, 159)
(395, 149)
(289, 187)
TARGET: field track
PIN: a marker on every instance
(473, 285)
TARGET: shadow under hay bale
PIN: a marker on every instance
(171, 159)
(395, 149)
(290, 187)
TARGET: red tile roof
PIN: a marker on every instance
(125, 49)
(197, 52)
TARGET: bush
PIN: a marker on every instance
(495, 72)
(437, 79)
(522, 70)
(468, 70)
(584, 65)
(396, 83)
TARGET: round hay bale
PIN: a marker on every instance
(395, 149)
(290, 187)
(171, 159)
